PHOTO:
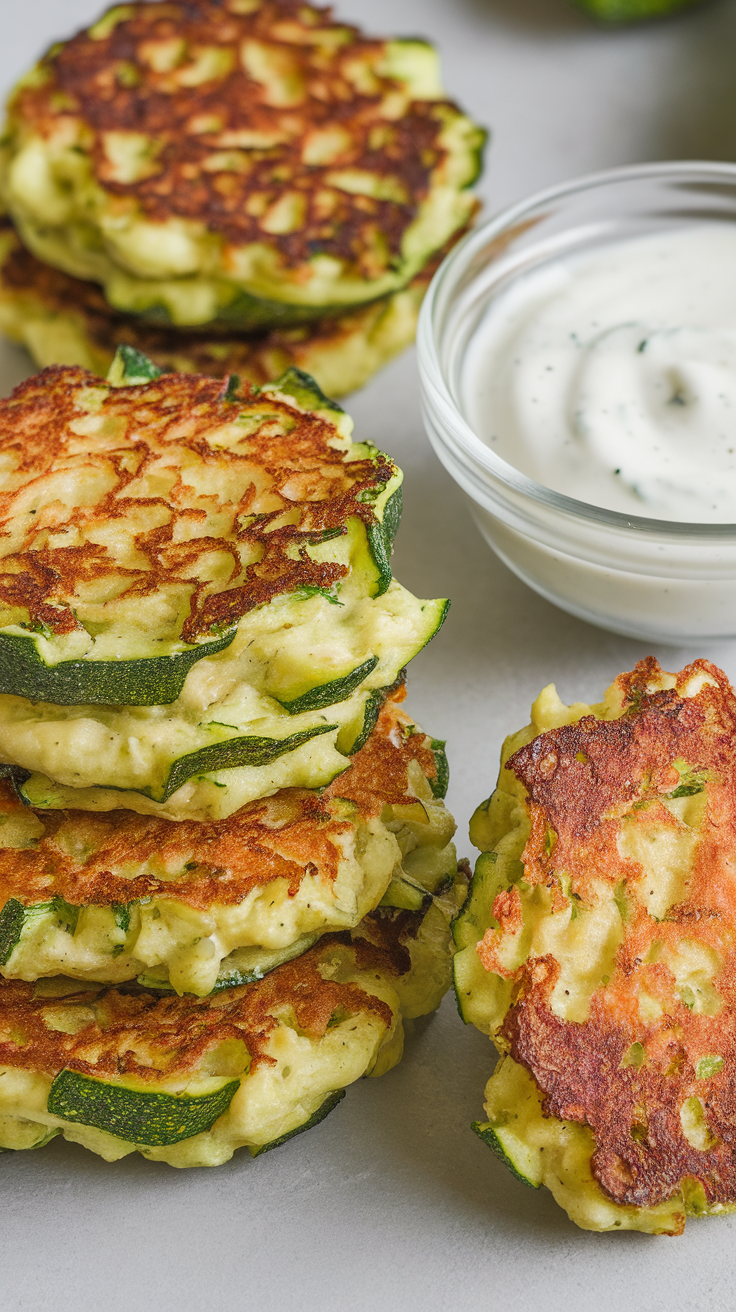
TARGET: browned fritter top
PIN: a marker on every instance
(91, 858)
(230, 140)
(130, 1032)
(591, 786)
(183, 476)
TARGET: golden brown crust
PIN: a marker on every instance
(293, 834)
(583, 777)
(642, 1155)
(134, 1033)
(211, 863)
(627, 1076)
(295, 486)
(331, 81)
(379, 773)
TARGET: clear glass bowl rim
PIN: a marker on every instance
(429, 333)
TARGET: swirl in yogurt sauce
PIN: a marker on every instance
(610, 376)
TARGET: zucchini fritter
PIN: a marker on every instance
(597, 950)
(188, 1080)
(252, 162)
(160, 511)
(161, 520)
(113, 896)
(64, 320)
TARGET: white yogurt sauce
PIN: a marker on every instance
(611, 376)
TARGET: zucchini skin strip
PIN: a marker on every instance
(373, 708)
(304, 389)
(381, 537)
(486, 1132)
(231, 753)
(12, 920)
(15, 915)
(153, 1119)
(150, 681)
(323, 1110)
(131, 367)
(328, 694)
(441, 783)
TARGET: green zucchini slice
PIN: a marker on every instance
(489, 878)
(441, 781)
(131, 367)
(370, 719)
(509, 1148)
(136, 1115)
(482, 996)
(305, 390)
(152, 681)
(12, 922)
(371, 712)
(243, 966)
(15, 919)
(381, 536)
(228, 755)
(404, 896)
(322, 1111)
(328, 694)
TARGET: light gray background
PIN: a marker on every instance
(393, 1203)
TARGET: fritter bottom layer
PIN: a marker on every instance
(64, 320)
(189, 1080)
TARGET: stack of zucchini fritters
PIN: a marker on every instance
(226, 870)
(229, 186)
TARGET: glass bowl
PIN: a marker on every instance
(646, 578)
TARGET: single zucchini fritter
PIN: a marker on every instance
(65, 320)
(597, 949)
(188, 1080)
(252, 162)
(195, 905)
(150, 522)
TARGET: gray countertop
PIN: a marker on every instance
(393, 1203)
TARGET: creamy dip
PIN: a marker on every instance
(611, 376)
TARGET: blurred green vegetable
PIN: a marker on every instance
(630, 11)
